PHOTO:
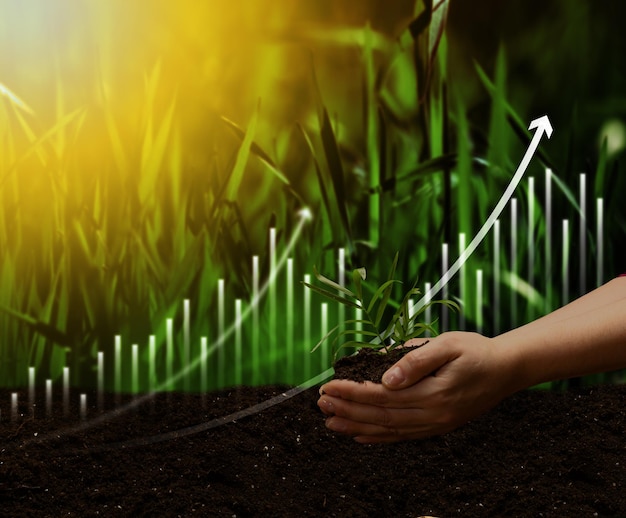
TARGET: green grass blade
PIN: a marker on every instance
(242, 158)
(50, 332)
(333, 296)
(335, 168)
(37, 143)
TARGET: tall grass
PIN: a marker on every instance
(107, 239)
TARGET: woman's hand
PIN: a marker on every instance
(431, 391)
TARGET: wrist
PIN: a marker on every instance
(514, 364)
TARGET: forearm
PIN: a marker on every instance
(609, 293)
(587, 336)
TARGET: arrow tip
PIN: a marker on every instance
(542, 124)
(306, 214)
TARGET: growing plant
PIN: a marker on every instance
(401, 327)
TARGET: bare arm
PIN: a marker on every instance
(584, 337)
(458, 376)
(607, 294)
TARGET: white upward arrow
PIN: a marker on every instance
(543, 126)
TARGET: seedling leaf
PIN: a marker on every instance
(400, 328)
(333, 284)
(332, 296)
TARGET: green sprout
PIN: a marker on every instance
(383, 337)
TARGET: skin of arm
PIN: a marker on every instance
(457, 376)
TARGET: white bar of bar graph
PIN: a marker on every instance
(255, 319)
(66, 391)
(31, 389)
(83, 406)
(100, 381)
(462, 284)
(135, 368)
(341, 310)
(204, 387)
(600, 242)
(444, 269)
(289, 314)
(548, 241)
(341, 266)
(14, 407)
(238, 342)
(118, 365)
(582, 236)
(186, 342)
(48, 397)
(169, 352)
(152, 362)
(221, 326)
(496, 277)
(272, 286)
(324, 319)
(514, 261)
(427, 312)
(531, 232)
(479, 301)
(565, 264)
(307, 326)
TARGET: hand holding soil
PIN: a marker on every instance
(457, 376)
(431, 391)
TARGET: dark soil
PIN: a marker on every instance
(369, 364)
(536, 454)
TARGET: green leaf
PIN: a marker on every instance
(236, 175)
(379, 293)
(333, 284)
(419, 329)
(436, 29)
(257, 150)
(321, 183)
(357, 276)
(387, 291)
(335, 167)
(358, 332)
(345, 37)
(48, 331)
(324, 338)
(333, 296)
(399, 331)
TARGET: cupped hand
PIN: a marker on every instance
(430, 391)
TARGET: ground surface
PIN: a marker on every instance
(536, 454)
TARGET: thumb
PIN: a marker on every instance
(416, 365)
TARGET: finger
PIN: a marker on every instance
(371, 414)
(370, 394)
(418, 364)
(371, 433)
(354, 428)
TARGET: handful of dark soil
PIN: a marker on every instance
(369, 364)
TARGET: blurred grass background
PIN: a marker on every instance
(146, 149)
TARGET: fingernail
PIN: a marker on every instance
(336, 426)
(323, 390)
(326, 405)
(393, 376)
